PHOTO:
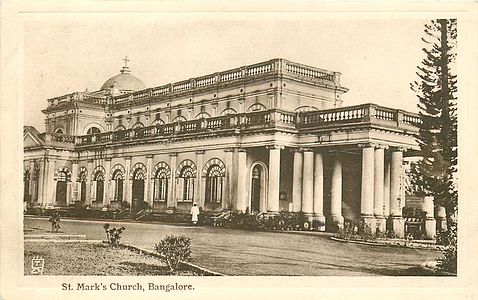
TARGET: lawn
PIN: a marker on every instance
(82, 258)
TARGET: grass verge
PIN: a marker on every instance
(81, 258)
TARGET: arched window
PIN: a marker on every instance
(93, 130)
(120, 127)
(61, 186)
(138, 125)
(157, 122)
(305, 108)
(161, 185)
(214, 184)
(99, 185)
(59, 131)
(83, 178)
(228, 111)
(118, 181)
(256, 107)
(203, 115)
(179, 119)
(186, 178)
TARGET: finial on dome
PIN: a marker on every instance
(125, 68)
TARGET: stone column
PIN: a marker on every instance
(242, 180)
(228, 182)
(74, 180)
(308, 184)
(367, 192)
(107, 187)
(319, 191)
(386, 189)
(297, 181)
(128, 183)
(379, 189)
(395, 202)
(198, 195)
(430, 223)
(274, 178)
(336, 192)
(88, 181)
(171, 202)
(147, 180)
(441, 218)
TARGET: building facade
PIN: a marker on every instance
(272, 136)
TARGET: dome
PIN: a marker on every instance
(124, 82)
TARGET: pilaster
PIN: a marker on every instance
(171, 202)
(242, 202)
(147, 181)
(199, 195)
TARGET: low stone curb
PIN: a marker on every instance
(62, 241)
(192, 266)
(55, 236)
(434, 247)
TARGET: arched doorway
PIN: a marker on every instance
(61, 188)
(83, 178)
(258, 191)
(137, 197)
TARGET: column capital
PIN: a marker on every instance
(90, 160)
(127, 157)
(307, 149)
(241, 150)
(199, 152)
(174, 154)
(275, 146)
(373, 145)
(107, 158)
(229, 149)
(296, 150)
(149, 155)
(74, 162)
(398, 148)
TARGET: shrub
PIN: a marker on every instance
(113, 235)
(448, 238)
(174, 250)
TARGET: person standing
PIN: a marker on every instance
(194, 213)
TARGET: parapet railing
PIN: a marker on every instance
(358, 113)
(300, 122)
(275, 66)
(272, 67)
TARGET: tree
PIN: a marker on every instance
(436, 88)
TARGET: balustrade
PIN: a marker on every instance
(265, 118)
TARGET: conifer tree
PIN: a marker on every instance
(436, 88)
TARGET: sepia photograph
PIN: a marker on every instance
(183, 142)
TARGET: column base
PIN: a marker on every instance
(397, 224)
(441, 224)
(336, 223)
(430, 228)
(381, 224)
(368, 224)
(319, 222)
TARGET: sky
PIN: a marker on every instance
(376, 56)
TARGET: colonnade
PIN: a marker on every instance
(380, 197)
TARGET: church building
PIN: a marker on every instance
(272, 136)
